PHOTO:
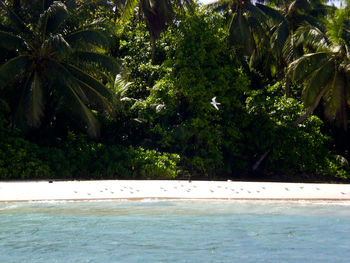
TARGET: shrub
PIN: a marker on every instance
(178, 111)
(292, 150)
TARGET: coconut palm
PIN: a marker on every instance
(246, 25)
(286, 18)
(158, 14)
(326, 72)
(54, 68)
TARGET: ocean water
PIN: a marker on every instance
(174, 231)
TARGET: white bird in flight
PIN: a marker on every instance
(214, 103)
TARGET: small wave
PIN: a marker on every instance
(9, 207)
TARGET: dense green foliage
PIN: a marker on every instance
(79, 158)
(178, 109)
(91, 90)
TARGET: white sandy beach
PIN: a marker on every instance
(135, 190)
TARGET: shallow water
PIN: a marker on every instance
(174, 231)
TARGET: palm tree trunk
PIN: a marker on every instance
(257, 164)
(312, 108)
(16, 6)
(287, 89)
(153, 42)
(301, 119)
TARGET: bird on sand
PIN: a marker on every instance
(215, 103)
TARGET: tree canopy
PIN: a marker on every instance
(126, 89)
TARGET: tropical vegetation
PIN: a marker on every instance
(163, 89)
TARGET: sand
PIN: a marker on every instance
(154, 189)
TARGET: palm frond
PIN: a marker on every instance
(51, 19)
(316, 81)
(16, 23)
(63, 78)
(129, 9)
(311, 36)
(82, 111)
(121, 86)
(280, 37)
(289, 50)
(219, 6)
(75, 98)
(12, 42)
(272, 13)
(256, 12)
(240, 34)
(102, 61)
(302, 67)
(93, 86)
(57, 45)
(12, 68)
(88, 36)
(335, 97)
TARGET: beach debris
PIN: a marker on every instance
(215, 103)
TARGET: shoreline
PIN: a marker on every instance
(135, 190)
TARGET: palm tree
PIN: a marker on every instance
(326, 72)
(286, 17)
(158, 14)
(54, 68)
(246, 26)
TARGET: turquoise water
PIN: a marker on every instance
(170, 231)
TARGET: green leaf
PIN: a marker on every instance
(81, 38)
(93, 89)
(56, 44)
(317, 80)
(51, 19)
(129, 9)
(12, 42)
(75, 98)
(12, 68)
(280, 36)
(274, 14)
(304, 66)
(16, 23)
(102, 61)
